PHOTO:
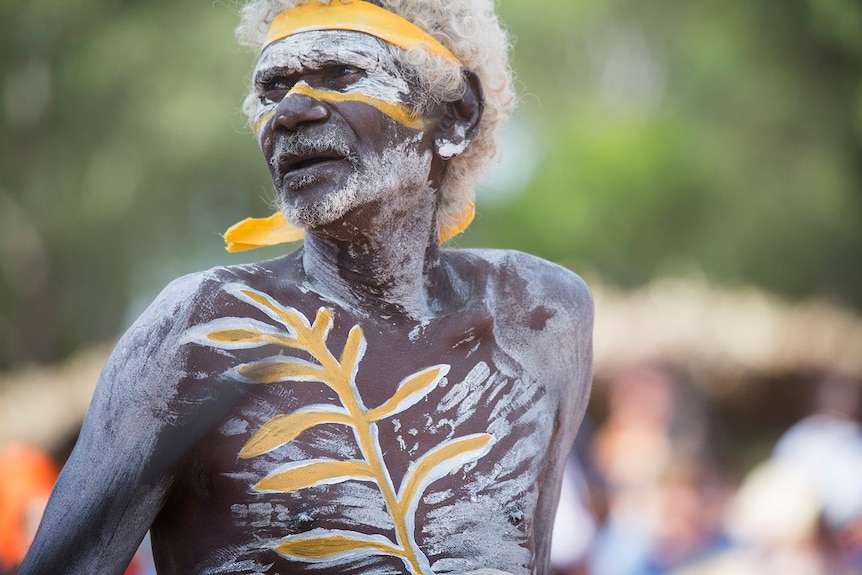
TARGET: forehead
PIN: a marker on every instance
(312, 49)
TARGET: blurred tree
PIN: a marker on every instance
(123, 154)
(653, 137)
(717, 136)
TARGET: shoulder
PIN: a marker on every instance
(156, 340)
(516, 279)
(154, 378)
(543, 316)
(201, 296)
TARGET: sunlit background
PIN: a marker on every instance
(699, 163)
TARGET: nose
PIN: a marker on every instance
(296, 109)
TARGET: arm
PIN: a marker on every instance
(121, 469)
(552, 310)
(575, 365)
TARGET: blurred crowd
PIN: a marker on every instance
(645, 491)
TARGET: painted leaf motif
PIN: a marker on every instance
(411, 390)
(283, 429)
(321, 544)
(337, 371)
(233, 336)
(234, 333)
(316, 472)
(322, 323)
(276, 371)
(354, 348)
(442, 460)
(263, 302)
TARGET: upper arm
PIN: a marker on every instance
(566, 345)
(549, 324)
(119, 474)
(577, 346)
(552, 316)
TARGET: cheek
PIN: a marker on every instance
(261, 125)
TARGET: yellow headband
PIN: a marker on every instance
(356, 16)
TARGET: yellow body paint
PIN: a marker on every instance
(337, 370)
(401, 113)
(355, 16)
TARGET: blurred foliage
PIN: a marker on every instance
(653, 138)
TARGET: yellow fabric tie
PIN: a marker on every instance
(252, 233)
(357, 16)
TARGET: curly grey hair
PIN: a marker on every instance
(471, 31)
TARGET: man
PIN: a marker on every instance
(369, 403)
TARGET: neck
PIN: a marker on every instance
(381, 267)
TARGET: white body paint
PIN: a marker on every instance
(255, 440)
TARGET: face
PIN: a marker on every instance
(335, 122)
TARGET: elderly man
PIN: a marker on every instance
(370, 403)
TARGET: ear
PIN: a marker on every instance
(460, 118)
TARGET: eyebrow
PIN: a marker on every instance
(266, 74)
(362, 56)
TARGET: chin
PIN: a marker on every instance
(308, 207)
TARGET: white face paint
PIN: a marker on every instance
(387, 177)
(302, 54)
(449, 149)
(338, 69)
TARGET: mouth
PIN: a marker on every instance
(291, 164)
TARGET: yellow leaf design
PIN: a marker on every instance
(318, 472)
(278, 371)
(337, 371)
(354, 348)
(283, 429)
(322, 323)
(440, 461)
(265, 302)
(410, 391)
(334, 543)
(238, 336)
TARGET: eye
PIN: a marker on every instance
(348, 70)
(273, 90)
(341, 76)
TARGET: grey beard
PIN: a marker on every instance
(383, 179)
(331, 207)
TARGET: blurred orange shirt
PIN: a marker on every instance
(27, 476)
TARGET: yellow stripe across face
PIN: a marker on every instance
(397, 111)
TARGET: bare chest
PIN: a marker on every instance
(360, 450)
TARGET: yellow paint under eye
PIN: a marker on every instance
(258, 124)
(398, 112)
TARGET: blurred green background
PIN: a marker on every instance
(654, 138)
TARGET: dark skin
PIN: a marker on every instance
(489, 350)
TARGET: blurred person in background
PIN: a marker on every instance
(27, 475)
(799, 512)
(664, 494)
(575, 523)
